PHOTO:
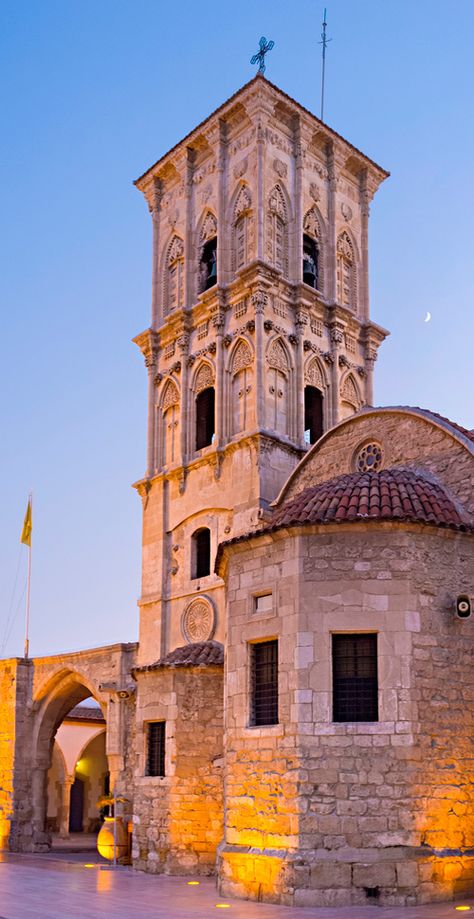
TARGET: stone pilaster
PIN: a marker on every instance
(155, 209)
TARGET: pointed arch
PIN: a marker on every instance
(314, 246)
(240, 408)
(207, 226)
(243, 232)
(203, 377)
(277, 356)
(173, 275)
(207, 251)
(280, 397)
(346, 270)
(167, 424)
(278, 219)
(350, 397)
(314, 374)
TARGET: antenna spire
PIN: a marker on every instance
(324, 43)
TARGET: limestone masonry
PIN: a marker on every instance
(298, 712)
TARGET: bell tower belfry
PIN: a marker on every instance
(260, 338)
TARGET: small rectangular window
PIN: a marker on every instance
(355, 686)
(155, 751)
(264, 676)
(264, 603)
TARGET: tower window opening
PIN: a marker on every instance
(209, 263)
(155, 748)
(310, 261)
(205, 417)
(313, 414)
(201, 553)
(264, 683)
(354, 670)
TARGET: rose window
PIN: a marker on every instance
(369, 458)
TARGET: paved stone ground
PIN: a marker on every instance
(44, 887)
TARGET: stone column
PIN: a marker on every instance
(218, 321)
(337, 338)
(155, 209)
(189, 254)
(331, 237)
(259, 301)
(297, 266)
(151, 364)
(260, 211)
(364, 306)
(41, 840)
(65, 808)
(222, 229)
(301, 321)
(370, 358)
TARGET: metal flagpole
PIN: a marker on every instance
(28, 589)
(324, 43)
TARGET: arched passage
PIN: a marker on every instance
(63, 692)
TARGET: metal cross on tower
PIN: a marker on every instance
(324, 43)
(260, 56)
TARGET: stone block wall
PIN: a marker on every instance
(178, 819)
(15, 678)
(352, 812)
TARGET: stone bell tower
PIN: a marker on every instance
(260, 338)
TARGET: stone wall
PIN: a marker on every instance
(406, 438)
(178, 818)
(15, 676)
(324, 813)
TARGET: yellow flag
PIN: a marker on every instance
(27, 526)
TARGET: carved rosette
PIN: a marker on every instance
(199, 621)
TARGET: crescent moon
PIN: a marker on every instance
(427, 317)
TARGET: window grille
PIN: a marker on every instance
(205, 417)
(155, 754)
(355, 688)
(264, 707)
(201, 552)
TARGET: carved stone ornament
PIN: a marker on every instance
(315, 192)
(243, 202)
(268, 325)
(242, 357)
(259, 300)
(337, 335)
(206, 194)
(344, 248)
(311, 224)
(173, 217)
(277, 357)
(209, 228)
(349, 391)
(346, 211)
(280, 168)
(204, 378)
(343, 361)
(276, 203)
(313, 375)
(170, 396)
(199, 621)
(240, 168)
(176, 250)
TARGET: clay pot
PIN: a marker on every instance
(105, 839)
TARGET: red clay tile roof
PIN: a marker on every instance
(391, 494)
(85, 713)
(197, 654)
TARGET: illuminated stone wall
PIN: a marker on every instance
(178, 819)
(14, 686)
(320, 813)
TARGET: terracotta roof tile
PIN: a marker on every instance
(392, 493)
(85, 713)
(197, 654)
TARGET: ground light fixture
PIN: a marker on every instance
(462, 909)
(222, 905)
(193, 883)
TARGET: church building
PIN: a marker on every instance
(297, 715)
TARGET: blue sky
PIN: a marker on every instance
(91, 94)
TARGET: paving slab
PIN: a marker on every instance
(35, 887)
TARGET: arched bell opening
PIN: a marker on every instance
(313, 414)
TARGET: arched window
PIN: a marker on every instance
(346, 280)
(205, 417)
(241, 375)
(350, 398)
(201, 553)
(242, 222)
(310, 261)
(313, 414)
(174, 276)
(278, 375)
(312, 250)
(169, 410)
(277, 230)
(208, 256)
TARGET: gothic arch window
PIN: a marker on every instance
(174, 276)
(277, 230)
(201, 553)
(204, 406)
(168, 424)
(315, 387)
(242, 223)
(208, 252)
(278, 376)
(346, 272)
(312, 250)
(241, 373)
(350, 397)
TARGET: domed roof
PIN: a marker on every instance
(391, 494)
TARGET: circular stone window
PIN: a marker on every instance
(199, 621)
(369, 458)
